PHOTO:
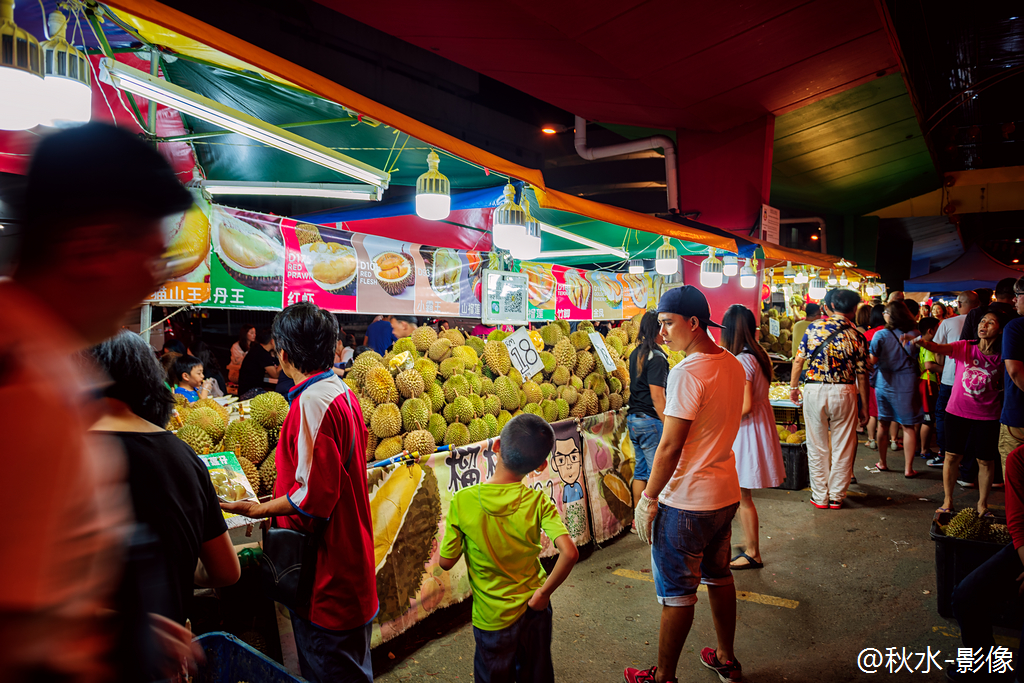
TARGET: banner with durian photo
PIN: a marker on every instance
(609, 470)
(247, 267)
(187, 256)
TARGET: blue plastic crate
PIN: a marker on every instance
(229, 660)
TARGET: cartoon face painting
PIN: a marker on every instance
(568, 462)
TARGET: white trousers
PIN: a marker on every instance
(830, 408)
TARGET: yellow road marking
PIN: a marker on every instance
(1012, 643)
(740, 595)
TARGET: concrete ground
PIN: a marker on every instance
(834, 582)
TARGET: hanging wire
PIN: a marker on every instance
(394, 166)
(184, 308)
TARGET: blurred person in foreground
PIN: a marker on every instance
(63, 552)
(321, 480)
(170, 486)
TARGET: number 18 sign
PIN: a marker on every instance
(523, 353)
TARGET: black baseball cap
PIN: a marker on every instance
(689, 302)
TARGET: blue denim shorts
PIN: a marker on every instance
(645, 433)
(903, 407)
(690, 548)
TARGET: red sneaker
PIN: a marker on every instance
(729, 672)
(642, 675)
(822, 506)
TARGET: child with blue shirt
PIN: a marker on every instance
(189, 380)
(497, 526)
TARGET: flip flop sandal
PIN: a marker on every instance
(751, 563)
(912, 476)
(987, 514)
(880, 468)
(941, 510)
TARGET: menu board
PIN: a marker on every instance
(572, 294)
(607, 297)
(247, 266)
(542, 290)
(637, 292)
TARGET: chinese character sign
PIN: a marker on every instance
(187, 255)
(247, 267)
(542, 290)
(320, 266)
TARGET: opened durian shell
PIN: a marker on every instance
(251, 256)
(396, 285)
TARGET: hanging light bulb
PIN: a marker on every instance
(748, 278)
(816, 288)
(433, 192)
(843, 280)
(508, 222)
(667, 257)
(832, 280)
(67, 97)
(789, 273)
(636, 266)
(528, 247)
(21, 74)
(801, 277)
(711, 271)
(730, 266)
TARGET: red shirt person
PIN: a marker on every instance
(321, 466)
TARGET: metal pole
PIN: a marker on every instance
(145, 320)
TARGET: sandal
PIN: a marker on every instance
(987, 514)
(911, 475)
(881, 468)
(872, 444)
(941, 510)
(751, 563)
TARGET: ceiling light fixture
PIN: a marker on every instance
(21, 73)
(508, 222)
(553, 129)
(748, 276)
(67, 96)
(134, 81)
(832, 279)
(433, 192)
(711, 271)
(801, 277)
(636, 266)
(730, 266)
(528, 247)
(598, 246)
(667, 257)
(843, 280)
(789, 273)
(816, 288)
(325, 190)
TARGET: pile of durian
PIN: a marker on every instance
(456, 390)
(967, 525)
(787, 436)
(206, 426)
(769, 342)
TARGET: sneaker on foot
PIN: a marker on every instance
(967, 484)
(729, 672)
(936, 461)
(822, 506)
(641, 675)
(872, 444)
(835, 504)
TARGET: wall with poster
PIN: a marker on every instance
(588, 479)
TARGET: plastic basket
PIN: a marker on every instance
(788, 416)
(955, 558)
(797, 476)
(229, 660)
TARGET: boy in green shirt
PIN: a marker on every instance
(497, 526)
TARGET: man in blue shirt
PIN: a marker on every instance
(386, 331)
(1011, 428)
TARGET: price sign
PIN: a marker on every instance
(773, 326)
(602, 352)
(523, 353)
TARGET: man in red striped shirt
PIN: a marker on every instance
(321, 478)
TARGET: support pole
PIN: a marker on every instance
(145, 320)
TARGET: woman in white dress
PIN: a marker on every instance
(758, 453)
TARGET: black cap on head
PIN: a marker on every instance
(687, 301)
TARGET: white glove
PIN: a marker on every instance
(646, 511)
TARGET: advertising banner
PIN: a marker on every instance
(542, 291)
(572, 294)
(607, 299)
(609, 465)
(187, 256)
(637, 292)
(247, 266)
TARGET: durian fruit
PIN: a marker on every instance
(455, 387)
(522, 398)
(579, 339)
(603, 404)
(551, 334)
(503, 418)
(584, 364)
(477, 430)
(492, 405)
(477, 344)
(585, 326)
(269, 409)
(415, 414)
(576, 383)
(409, 383)
(478, 404)
(209, 420)
(251, 473)
(454, 336)
(449, 413)
(452, 366)
(965, 524)
(496, 335)
(492, 425)
(427, 369)
(486, 386)
(180, 401)
(560, 376)
(998, 533)
(436, 396)
(533, 409)
(548, 390)
(210, 403)
(562, 407)
(380, 386)
(423, 336)
(564, 324)
(614, 343)
(420, 441)
(569, 394)
(371, 445)
(548, 359)
(565, 354)
(439, 350)
(386, 420)
(532, 391)
(268, 475)
(615, 401)
(579, 409)
(437, 427)
(197, 438)
(462, 410)
(596, 382)
(591, 401)
(621, 333)
(402, 345)
(273, 436)
(614, 385)
(366, 406)
(405, 508)
(549, 411)
(456, 435)
(496, 357)
(388, 448)
(475, 382)
(514, 375)
(467, 355)
(251, 441)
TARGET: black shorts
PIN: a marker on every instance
(975, 438)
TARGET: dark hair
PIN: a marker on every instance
(243, 337)
(984, 296)
(264, 336)
(183, 366)
(1004, 288)
(1018, 286)
(926, 325)
(167, 363)
(913, 307)
(211, 366)
(843, 301)
(826, 302)
(175, 346)
(863, 316)
(138, 378)
(738, 337)
(361, 349)
(646, 339)
(899, 317)
(308, 334)
(877, 316)
(812, 310)
(411, 319)
(526, 442)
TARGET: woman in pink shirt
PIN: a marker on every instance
(972, 415)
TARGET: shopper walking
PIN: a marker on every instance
(836, 355)
(1011, 430)
(321, 479)
(686, 511)
(875, 324)
(897, 385)
(648, 375)
(972, 415)
(757, 451)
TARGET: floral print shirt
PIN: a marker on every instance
(842, 360)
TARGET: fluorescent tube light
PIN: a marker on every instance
(552, 230)
(326, 190)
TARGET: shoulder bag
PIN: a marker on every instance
(817, 352)
(289, 559)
